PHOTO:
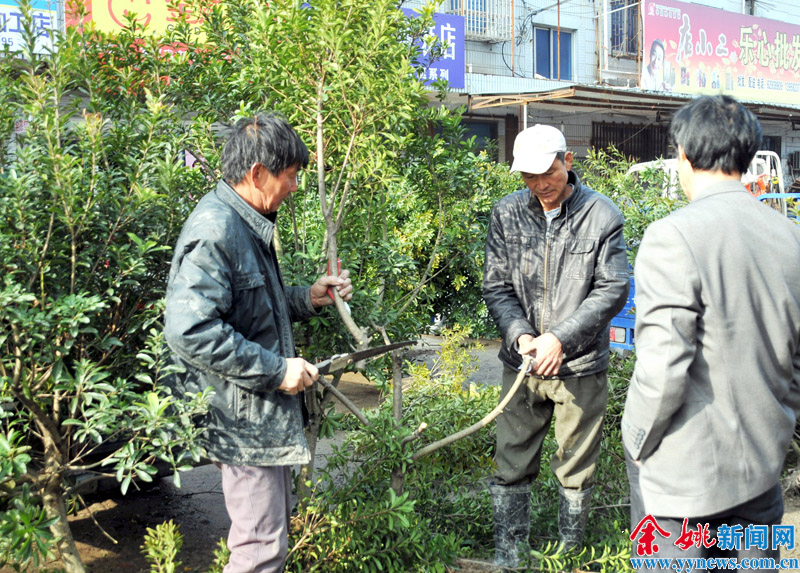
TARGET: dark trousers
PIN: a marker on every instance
(765, 509)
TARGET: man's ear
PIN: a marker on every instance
(568, 157)
(254, 174)
(681, 156)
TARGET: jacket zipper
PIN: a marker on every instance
(546, 266)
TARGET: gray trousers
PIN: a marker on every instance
(258, 500)
(765, 509)
(579, 405)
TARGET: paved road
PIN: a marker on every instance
(489, 366)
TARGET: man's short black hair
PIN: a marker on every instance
(265, 138)
(717, 133)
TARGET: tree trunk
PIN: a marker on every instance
(51, 485)
(53, 502)
(312, 433)
(307, 470)
(316, 412)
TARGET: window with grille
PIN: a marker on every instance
(624, 26)
(552, 55)
(488, 20)
(640, 142)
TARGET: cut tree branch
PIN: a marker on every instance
(430, 448)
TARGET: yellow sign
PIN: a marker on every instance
(159, 16)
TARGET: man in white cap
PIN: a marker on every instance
(555, 274)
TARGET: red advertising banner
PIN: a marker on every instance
(694, 49)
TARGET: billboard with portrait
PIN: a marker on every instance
(695, 49)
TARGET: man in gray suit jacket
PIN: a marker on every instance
(716, 387)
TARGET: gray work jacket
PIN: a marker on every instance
(228, 321)
(569, 279)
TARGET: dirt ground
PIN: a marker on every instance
(198, 505)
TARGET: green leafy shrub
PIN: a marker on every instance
(356, 522)
(90, 201)
(161, 546)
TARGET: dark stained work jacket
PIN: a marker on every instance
(228, 321)
(570, 279)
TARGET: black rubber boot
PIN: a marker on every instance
(573, 512)
(511, 505)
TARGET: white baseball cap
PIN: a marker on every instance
(535, 148)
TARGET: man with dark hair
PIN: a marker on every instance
(555, 274)
(715, 392)
(228, 321)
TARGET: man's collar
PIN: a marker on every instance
(264, 225)
(720, 186)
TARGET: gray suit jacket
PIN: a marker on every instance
(716, 387)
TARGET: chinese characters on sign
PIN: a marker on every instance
(647, 536)
(695, 49)
(449, 29)
(44, 17)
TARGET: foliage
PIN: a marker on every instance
(356, 522)
(25, 538)
(161, 547)
(92, 197)
(221, 556)
(443, 394)
(793, 210)
(441, 214)
(641, 199)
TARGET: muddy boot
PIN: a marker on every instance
(512, 522)
(573, 512)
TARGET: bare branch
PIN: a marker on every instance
(344, 400)
(526, 363)
(94, 520)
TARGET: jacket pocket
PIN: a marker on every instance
(580, 259)
(520, 254)
(242, 407)
(250, 304)
(247, 281)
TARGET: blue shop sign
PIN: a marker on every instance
(449, 28)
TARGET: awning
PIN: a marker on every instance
(605, 99)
